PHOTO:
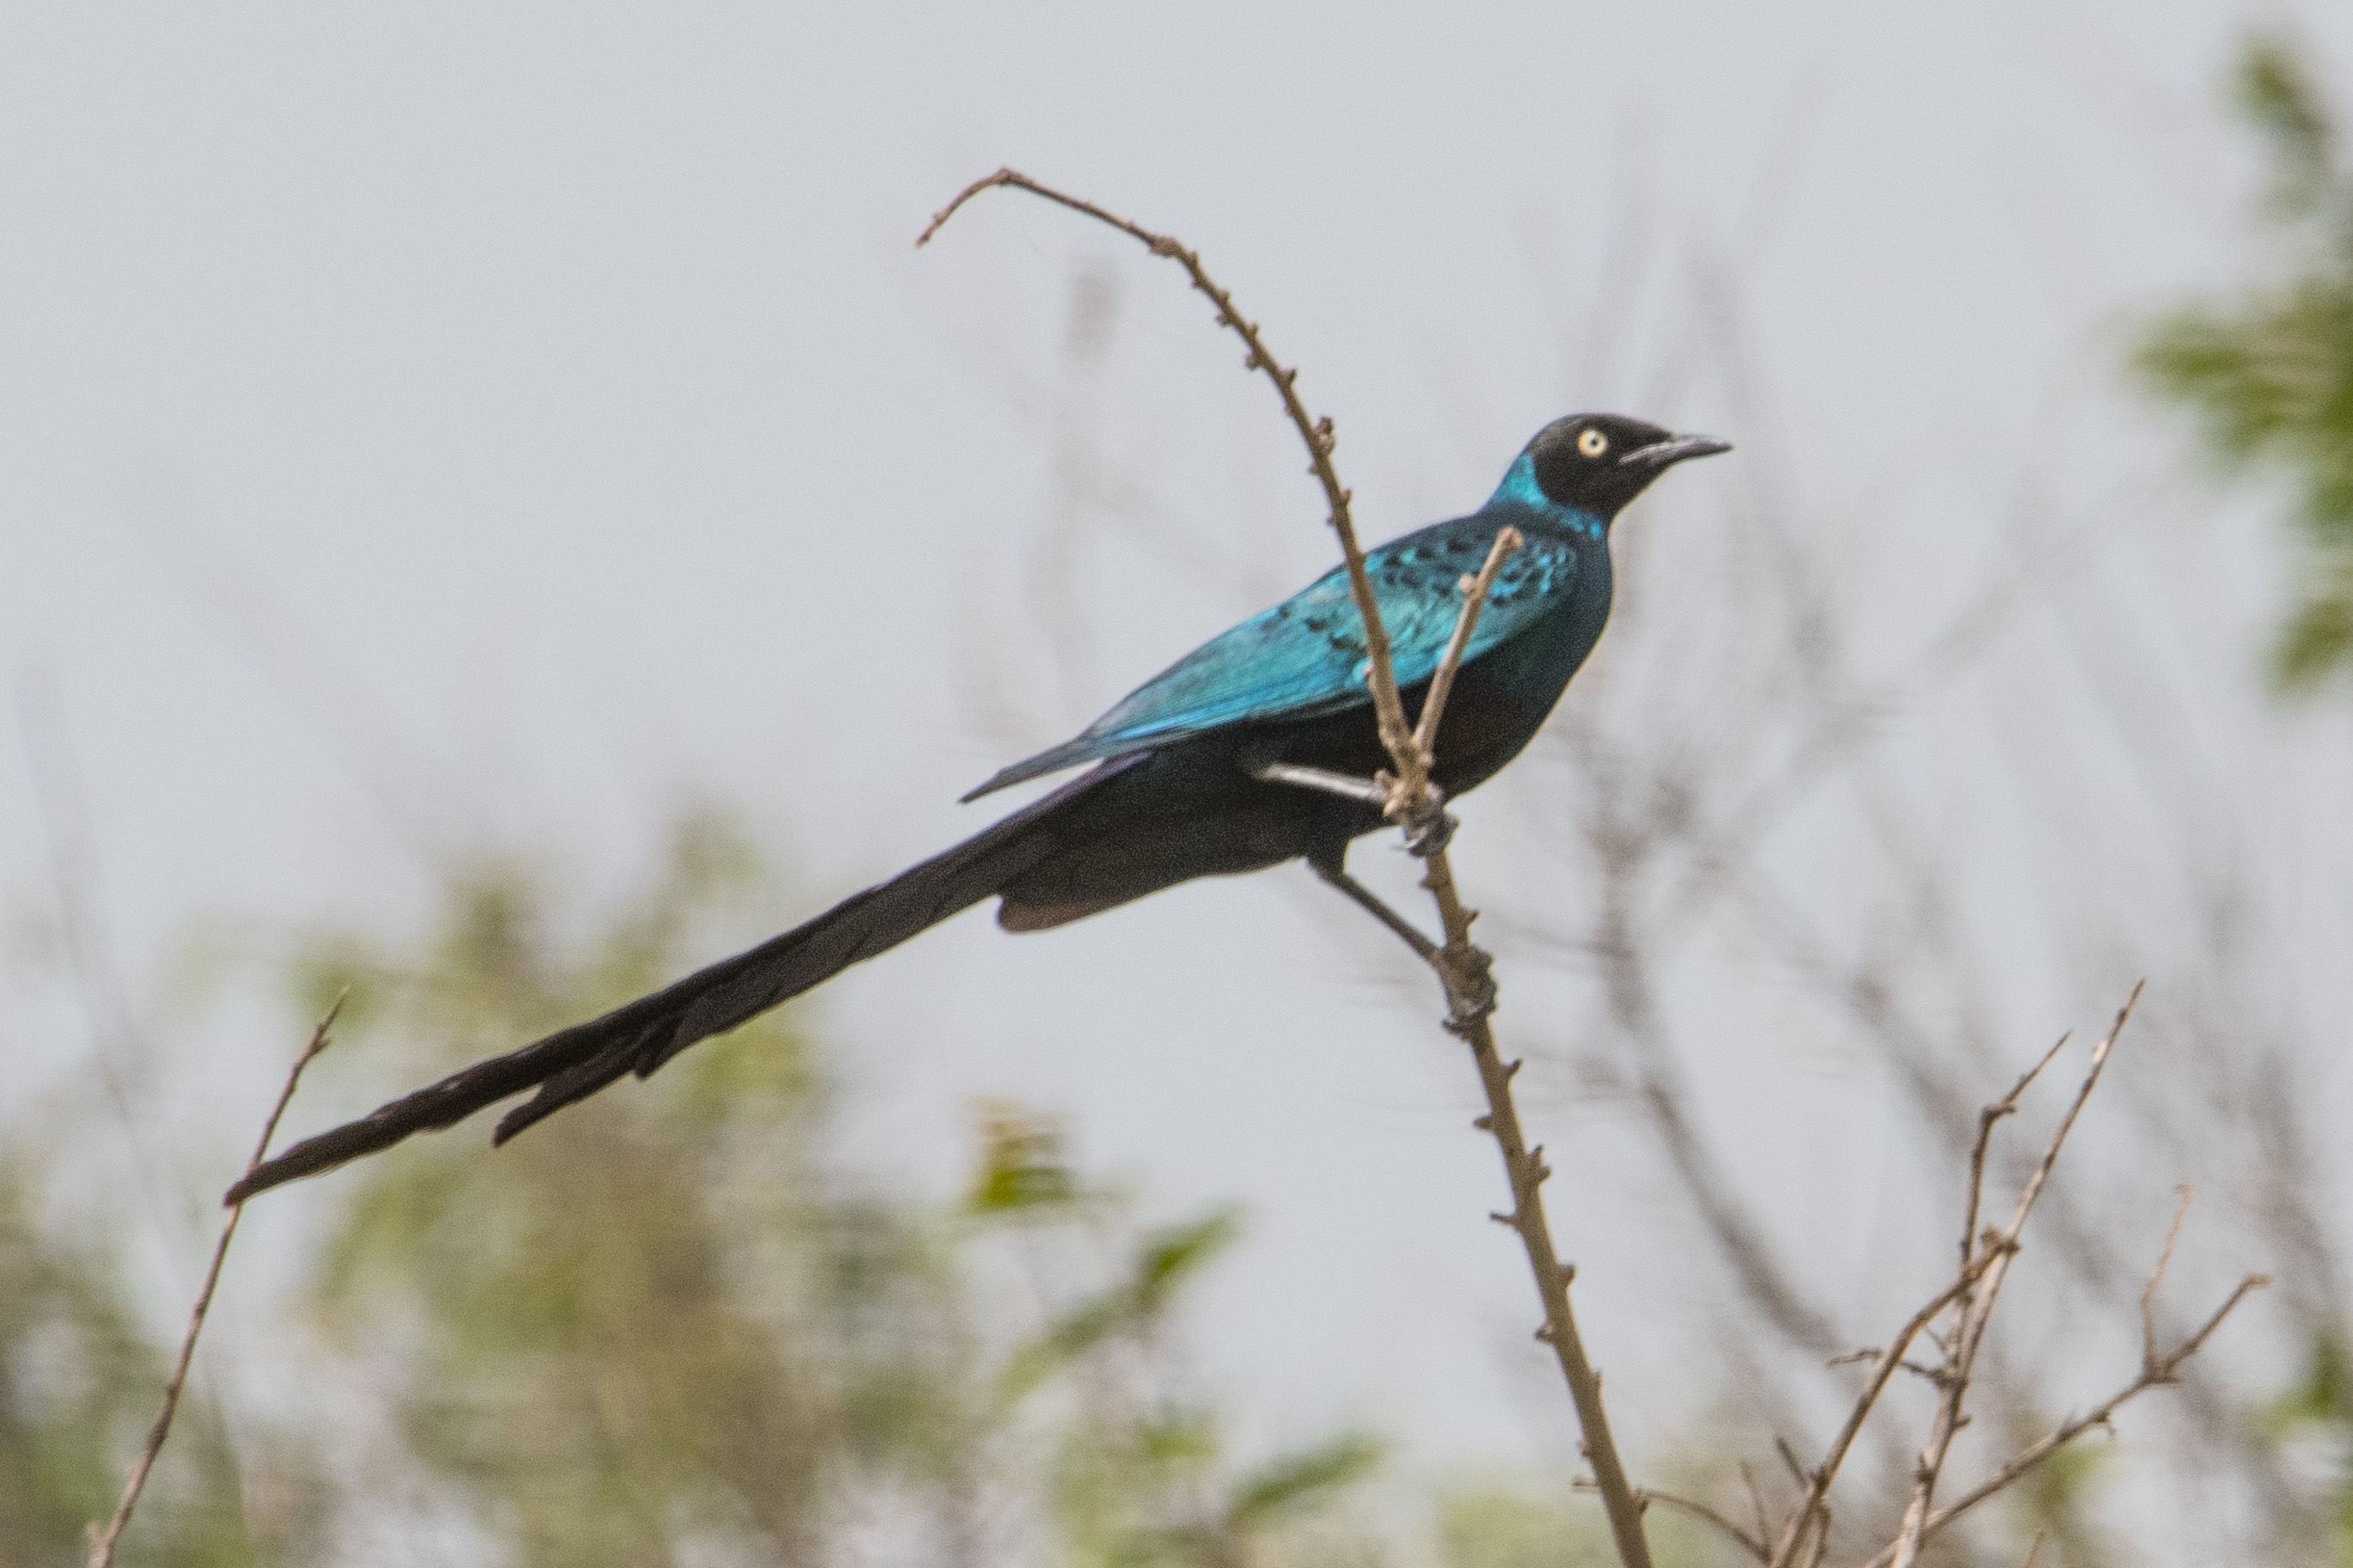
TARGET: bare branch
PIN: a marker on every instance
(1463, 968)
(2042, 1176)
(1442, 685)
(1976, 1308)
(1884, 1364)
(1387, 709)
(1753, 1545)
(1986, 1117)
(2163, 1371)
(1526, 1171)
(101, 1540)
(1821, 1538)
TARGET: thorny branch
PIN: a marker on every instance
(1975, 1308)
(1813, 1512)
(101, 1540)
(1463, 968)
(1971, 1295)
(1387, 709)
(2155, 1371)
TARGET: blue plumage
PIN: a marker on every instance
(1306, 656)
(1179, 789)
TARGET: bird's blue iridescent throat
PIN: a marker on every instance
(1520, 489)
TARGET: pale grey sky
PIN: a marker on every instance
(525, 415)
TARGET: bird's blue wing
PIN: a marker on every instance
(1306, 656)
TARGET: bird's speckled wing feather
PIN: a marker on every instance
(1306, 656)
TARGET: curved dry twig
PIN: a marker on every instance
(1802, 1536)
(2155, 1372)
(1694, 1509)
(1885, 1363)
(102, 1539)
(1463, 968)
(1388, 708)
(1976, 1307)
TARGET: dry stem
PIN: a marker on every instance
(1977, 1310)
(1474, 592)
(1463, 968)
(101, 1541)
(1814, 1508)
(1977, 1259)
(2156, 1370)
(1803, 1537)
(1388, 710)
(1752, 1544)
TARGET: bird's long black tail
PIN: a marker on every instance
(639, 1037)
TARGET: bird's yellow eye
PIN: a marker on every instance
(1592, 443)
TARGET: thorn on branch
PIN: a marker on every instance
(1470, 989)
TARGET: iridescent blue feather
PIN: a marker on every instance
(1306, 656)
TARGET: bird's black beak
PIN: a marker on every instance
(1659, 455)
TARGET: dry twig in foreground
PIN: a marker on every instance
(1463, 968)
(1971, 1295)
(101, 1540)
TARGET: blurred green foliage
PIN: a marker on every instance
(2319, 1412)
(2058, 1503)
(668, 1326)
(2268, 372)
(676, 1326)
(623, 1332)
(78, 1387)
(1487, 1527)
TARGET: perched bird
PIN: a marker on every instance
(1202, 770)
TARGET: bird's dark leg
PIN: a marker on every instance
(1329, 864)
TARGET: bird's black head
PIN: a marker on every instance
(1598, 462)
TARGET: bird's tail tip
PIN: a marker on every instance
(1070, 754)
